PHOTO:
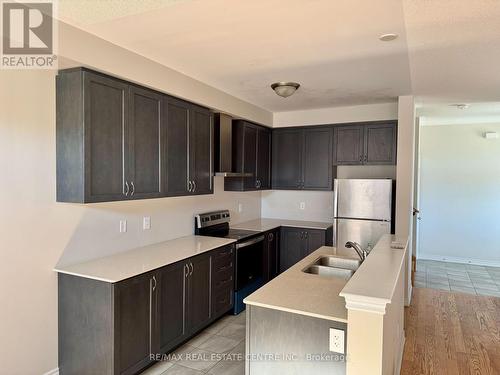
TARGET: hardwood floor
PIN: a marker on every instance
(452, 334)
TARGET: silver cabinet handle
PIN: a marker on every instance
(154, 283)
(189, 186)
(186, 270)
(127, 189)
(133, 188)
(194, 186)
(270, 237)
(192, 268)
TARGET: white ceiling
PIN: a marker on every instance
(447, 50)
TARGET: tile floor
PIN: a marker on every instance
(218, 350)
(456, 277)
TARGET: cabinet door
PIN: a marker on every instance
(250, 156)
(318, 159)
(105, 111)
(380, 144)
(314, 239)
(135, 306)
(200, 150)
(348, 145)
(287, 159)
(176, 153)
(291, 247)
(145, 144)
(264, 158)
(198, 293)
(271, 255)
(171, 305)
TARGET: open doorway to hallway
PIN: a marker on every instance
(457, 236)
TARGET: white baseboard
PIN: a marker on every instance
(446, 258)
(53, 372)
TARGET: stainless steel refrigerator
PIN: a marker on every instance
(362, 212)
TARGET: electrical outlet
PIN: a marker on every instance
(302, 205)
(337, 340)
(123, 226)
(240, 207)
(146, 223)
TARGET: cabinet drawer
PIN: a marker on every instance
(223, 279)
(223, 301)
(223, 257)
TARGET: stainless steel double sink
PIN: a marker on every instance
(333, 266)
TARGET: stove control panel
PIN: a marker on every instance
(212, 218)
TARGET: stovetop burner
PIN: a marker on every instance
(240, 234)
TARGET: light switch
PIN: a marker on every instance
(240, 207)
(302, 205)
(337, 340)
(146, 222)
(123, 226)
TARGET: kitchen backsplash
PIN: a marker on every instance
(298, 205)
(97, 233)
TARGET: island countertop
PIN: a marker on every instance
(126, 264)
(304, 293)
(312, 295)
(265, 224)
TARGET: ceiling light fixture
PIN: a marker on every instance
(388, 37)
(285, 89)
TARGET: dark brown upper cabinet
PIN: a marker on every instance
(119, 141)
(302, 158)
(109, 139)
(365, 144)
(145, 146)
(189, 151)
(252, 155)
(200, 150)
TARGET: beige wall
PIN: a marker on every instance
(36, 231)
(80, 48)
(459, 194)
(337, 115)
(404, 176)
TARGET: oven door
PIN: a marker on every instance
(249, 261)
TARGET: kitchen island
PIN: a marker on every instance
(289, 319)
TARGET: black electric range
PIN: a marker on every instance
(249, 252)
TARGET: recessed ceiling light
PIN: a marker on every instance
(285, 89)
(460, 106)
(388, 37)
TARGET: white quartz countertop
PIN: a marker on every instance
(372, 286)
(375, 280)
(303, 293)
(264, 224)
(133, 262)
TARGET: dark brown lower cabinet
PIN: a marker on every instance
(135, 317)
(172, 306)
(199, 311)
(297, 243)
(120, 328)
(271, 254)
